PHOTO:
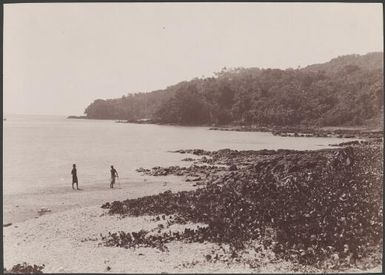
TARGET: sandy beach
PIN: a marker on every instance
(68, 242)
(24, 206)
(70, 216)
(67, 238)
(66, 230)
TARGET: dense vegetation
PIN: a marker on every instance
(348, 90)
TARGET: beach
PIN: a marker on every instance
(68, 242)
(23, 206)
(47, 223)
(67, 238)
(81, 231)
(72, 216)
(195, 138)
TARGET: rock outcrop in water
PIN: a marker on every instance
(307, 132)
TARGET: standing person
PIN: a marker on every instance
(74, 177)
(114, 174)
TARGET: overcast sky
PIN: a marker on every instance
(58, 58)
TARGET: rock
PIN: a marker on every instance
(43, 211)
(293, 192)
(233, 167)
(107, 205)
(188, 159)
(7, 224)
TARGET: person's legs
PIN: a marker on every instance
(75, 180)
(112, 182)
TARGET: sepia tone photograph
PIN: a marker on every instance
(193, 137)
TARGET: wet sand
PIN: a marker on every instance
(21, 207)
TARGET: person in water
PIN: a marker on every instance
(74, 177)
(114, 175)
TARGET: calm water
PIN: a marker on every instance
(39, 150)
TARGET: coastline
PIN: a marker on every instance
(284, 131)
(71, 236)
(74, 229)
(66, 242)
(335, 132)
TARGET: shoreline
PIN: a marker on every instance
(75, 226)
(332, 132)
(71, 236)
(302, 131)
(21, 207)
(288, 192)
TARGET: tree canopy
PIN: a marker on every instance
(346, 91)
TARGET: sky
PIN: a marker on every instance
(60, 57)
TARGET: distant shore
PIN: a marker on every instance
(336, 132)
(293, 131)
(77, 117)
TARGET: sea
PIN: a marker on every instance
(38, 151)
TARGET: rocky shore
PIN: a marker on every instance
(77, 117)
(321, 209)
(307, 132)
(267, 211)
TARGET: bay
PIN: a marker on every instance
(38, 151)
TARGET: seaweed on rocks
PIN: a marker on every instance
(198, 152)
(192, 171)
(133, 240)
(26, 268)
(142, 170)
(188, 159)
(317, 205)
(146, 239)
(106, 205)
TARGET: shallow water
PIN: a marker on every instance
(38, 151)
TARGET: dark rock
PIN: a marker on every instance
(107, 205)
(233, 167)
(188, 159)
(316, 202)
(26, 268)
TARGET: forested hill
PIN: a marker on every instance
(346, 91)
